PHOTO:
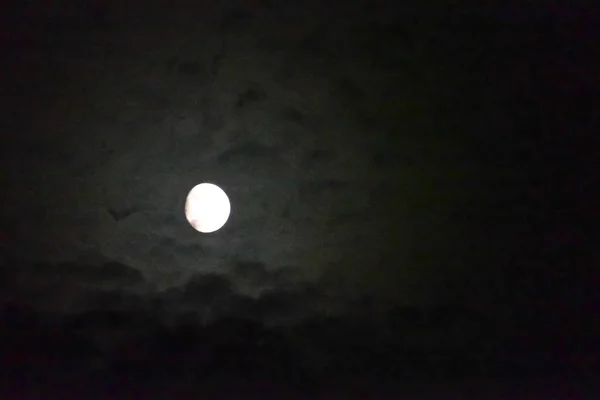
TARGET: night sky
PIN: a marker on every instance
(410, 187)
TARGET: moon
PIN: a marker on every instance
(207, 208)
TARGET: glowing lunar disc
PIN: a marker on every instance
(207, 208)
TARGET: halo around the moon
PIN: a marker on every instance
(207, 208)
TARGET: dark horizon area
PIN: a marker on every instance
(411, 187)
(413, 352)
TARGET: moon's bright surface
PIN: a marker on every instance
(207, 208)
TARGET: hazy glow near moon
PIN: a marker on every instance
(207, 208)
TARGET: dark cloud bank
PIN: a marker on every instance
(411, 196)
(207, 339)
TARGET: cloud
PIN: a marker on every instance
(115, 300)
(252, 273)
(121, 213)
(393, 158)
(317, 156)
(258, 275)
(236, 18)
(276, 296)
(247, 151)
(250, 96)
(207, 289)
(293, 115)
(112, 273)
(208, 296)
(349, 90)
(281, 305)
(277, 305)
(322, 186)
(71, 286)
(191, 67)
(252, 290)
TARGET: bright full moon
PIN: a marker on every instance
(207, 208)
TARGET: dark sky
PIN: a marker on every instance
(376, 157)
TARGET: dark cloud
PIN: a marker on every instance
(254, 271)
(286, 305)
(112, 273)
(278, 297)
(393, 158)
(153, 97)
(208, 288)
(315, 160)
(163, 219)
(349, 90)
(216, 63)
(314, 43)
(122, 213)
(167, 245)
(193, 68)
(69, 287)
(312, 187)
(42, 151)
(317, 156)
(258, 274)
(248, 152)
(236, 19)
(205, 296)
(99, 318)
(338, 200)
(291, 114)
(249, 97)
(347, 217)
(115, 300)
